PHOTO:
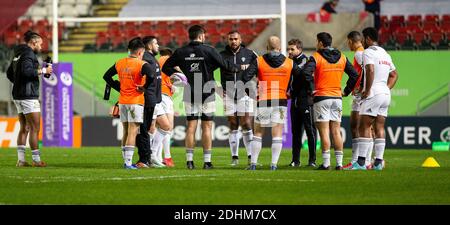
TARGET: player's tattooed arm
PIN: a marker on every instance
(370, 73)
(115, 84)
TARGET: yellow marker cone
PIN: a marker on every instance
(430, 162)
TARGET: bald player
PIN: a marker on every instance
(274, 71)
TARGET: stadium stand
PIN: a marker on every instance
(415, 32)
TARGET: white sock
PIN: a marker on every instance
(159, 152)
(364, 144)
(128, 153)
(150, 138)
(277, 145)
(247, 137)
(157, 143)
(256, 149)
(21, 152)
(234, 142)
(355, 149)
(36, 155)
(207, 155)
(380, 145)
(189, 154)
(166, 146)
(369, 153)
(123, 151)
(326, 158)
(339, 156)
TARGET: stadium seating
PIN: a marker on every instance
(415, 32)
(38, 18)
(174, 33)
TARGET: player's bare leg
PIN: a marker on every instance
(21, 141)
(354, 122)
(163, 130)
(33, 121)
(190, 142)
(207, 144)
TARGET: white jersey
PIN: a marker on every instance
(383, 65)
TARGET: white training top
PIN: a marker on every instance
(383, 65)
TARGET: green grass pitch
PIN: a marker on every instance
(95, 176)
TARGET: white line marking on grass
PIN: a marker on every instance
(89, 179)
(210, 177)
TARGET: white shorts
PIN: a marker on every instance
(241, 106)
(267, 116)
(328, 109)
(158, 111)
(27, 106)
(376, 105)
(131, 113)
(356, 104)
(199, 109)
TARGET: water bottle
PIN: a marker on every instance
(47, 62)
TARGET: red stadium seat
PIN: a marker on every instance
(431, 28)
(413, 28)
(12, 38)
(146, 32)
(226, 27)
(131, 33)
(436, 37)
(445, 18)
(164, 40)
(398, 19)
(384, 20)
(26, 23)
(418, 37)
(145, 25)
(445, 27)
(115, 41)
(401, 37)
(178, 25)
(43, 22)
(214, 39)
(115, 26)
(115, 33)
(101, 40)
(384, 37)
(414, 18)
(431, 17)
(162, 31)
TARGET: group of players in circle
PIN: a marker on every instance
(255, 91)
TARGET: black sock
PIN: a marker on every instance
(361, 161)
(377, 162)
(235, 157)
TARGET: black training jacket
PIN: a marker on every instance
(198, 62)
(23, 73)
(243, 56)
(153, 91)
(301, 94)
